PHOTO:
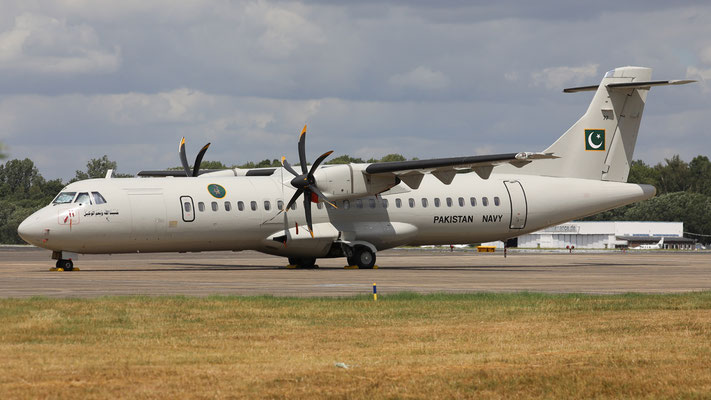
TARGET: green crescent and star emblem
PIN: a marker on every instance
(216, 190)
(595, 139)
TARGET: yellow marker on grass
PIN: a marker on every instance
(375, 292)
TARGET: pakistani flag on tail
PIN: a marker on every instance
(595, 139)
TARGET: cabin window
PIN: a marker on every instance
(398, 203)
(385, 203)
(187, 206)
(83, 198)
(436, 202)
(359, 203)
(473, 201)
(201, 206)
(346, 204)
(497, 202)
(371, 203)
(64, 198)
(267, 205)
(411, 201)
(280, 205)
(424, 202)
(228, 206)
(240, 205)
(485, 201)
(98, 198)
(449, 202)
(253, 205)
(214, 206)
(319, 205)
(461, 202)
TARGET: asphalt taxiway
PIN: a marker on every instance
(24, 272)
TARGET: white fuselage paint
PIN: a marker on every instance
(146, 214)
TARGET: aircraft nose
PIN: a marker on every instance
(30, 230)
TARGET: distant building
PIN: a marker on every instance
(607, 235)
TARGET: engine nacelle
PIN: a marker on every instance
(348, 181)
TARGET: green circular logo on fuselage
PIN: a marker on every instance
(216, 190)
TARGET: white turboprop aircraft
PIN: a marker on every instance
(656, 246)
(360, 208)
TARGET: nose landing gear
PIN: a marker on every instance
(65, 265)
(64, 261)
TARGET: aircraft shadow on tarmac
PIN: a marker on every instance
(231, 267)
(190, 267)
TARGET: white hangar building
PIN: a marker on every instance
(607, 235)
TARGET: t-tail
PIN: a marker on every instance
(600, 145)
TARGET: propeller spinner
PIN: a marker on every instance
(305, 183)
(184, 159)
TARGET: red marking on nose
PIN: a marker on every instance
(65, 219)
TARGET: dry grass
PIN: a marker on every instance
(403, 346)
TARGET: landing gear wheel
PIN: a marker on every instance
(305, 262)
(364, 258)
(66, 265)
(351, 261)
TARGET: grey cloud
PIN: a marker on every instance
(420, 78)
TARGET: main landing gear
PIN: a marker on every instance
(362, 257)
(302, 262)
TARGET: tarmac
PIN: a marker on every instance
(25, 272)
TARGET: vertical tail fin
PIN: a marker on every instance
(601, 143)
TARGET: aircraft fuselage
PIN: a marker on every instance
(184, 215)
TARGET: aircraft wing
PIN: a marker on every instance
(210, 172)
(444, 169)
(178, 173)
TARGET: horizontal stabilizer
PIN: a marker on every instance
(629, 85)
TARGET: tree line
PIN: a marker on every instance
(683, 191)
(683, 194)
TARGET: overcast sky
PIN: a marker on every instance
(84, 78)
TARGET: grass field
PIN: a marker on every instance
(402, 346)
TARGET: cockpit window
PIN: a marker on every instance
(82, 198)
(64, 198)
(98, 198)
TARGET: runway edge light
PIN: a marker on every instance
(375, 292)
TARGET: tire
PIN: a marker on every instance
(364, 258)
(66, 265)
(351, 261)
(306, 262)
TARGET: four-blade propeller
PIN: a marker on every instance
(305, 183)
(184, 159)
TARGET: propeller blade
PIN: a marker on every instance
(198, 159)
(286, 165)
(302, 150)
(319, 161)
(314, 189)
(293, 199)
(183, 157)
(307, 211)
